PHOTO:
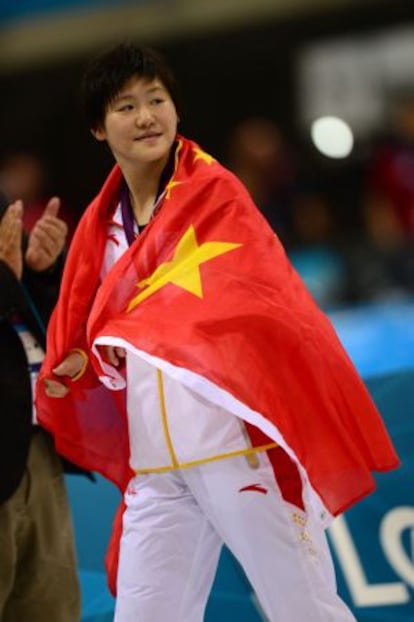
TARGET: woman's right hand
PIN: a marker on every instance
(71, 366)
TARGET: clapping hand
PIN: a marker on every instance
(11, 228)
(47, 239)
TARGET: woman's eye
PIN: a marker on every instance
(125, 108)
(156, 100)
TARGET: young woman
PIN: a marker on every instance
(196, 372)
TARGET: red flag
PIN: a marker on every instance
(208, 296)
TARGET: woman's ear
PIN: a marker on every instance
(98, 133)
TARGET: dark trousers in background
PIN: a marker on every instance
(38, 568)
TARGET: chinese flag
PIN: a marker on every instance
(207, 295)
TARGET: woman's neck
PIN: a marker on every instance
(143, 187)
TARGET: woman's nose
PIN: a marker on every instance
(144, 116)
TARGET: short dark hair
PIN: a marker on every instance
(106, 74)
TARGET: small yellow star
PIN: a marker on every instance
(184, 268)
(202, 155)
(168, 188)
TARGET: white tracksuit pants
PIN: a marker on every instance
(176, 523)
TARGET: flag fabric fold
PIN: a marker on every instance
(207, 295)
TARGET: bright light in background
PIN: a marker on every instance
(332, 137)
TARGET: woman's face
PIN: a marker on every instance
(140, 124)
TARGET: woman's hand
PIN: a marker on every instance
(71, 366)
(113, 354)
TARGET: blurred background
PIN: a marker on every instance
(311, 104)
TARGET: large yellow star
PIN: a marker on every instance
(184, 268)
